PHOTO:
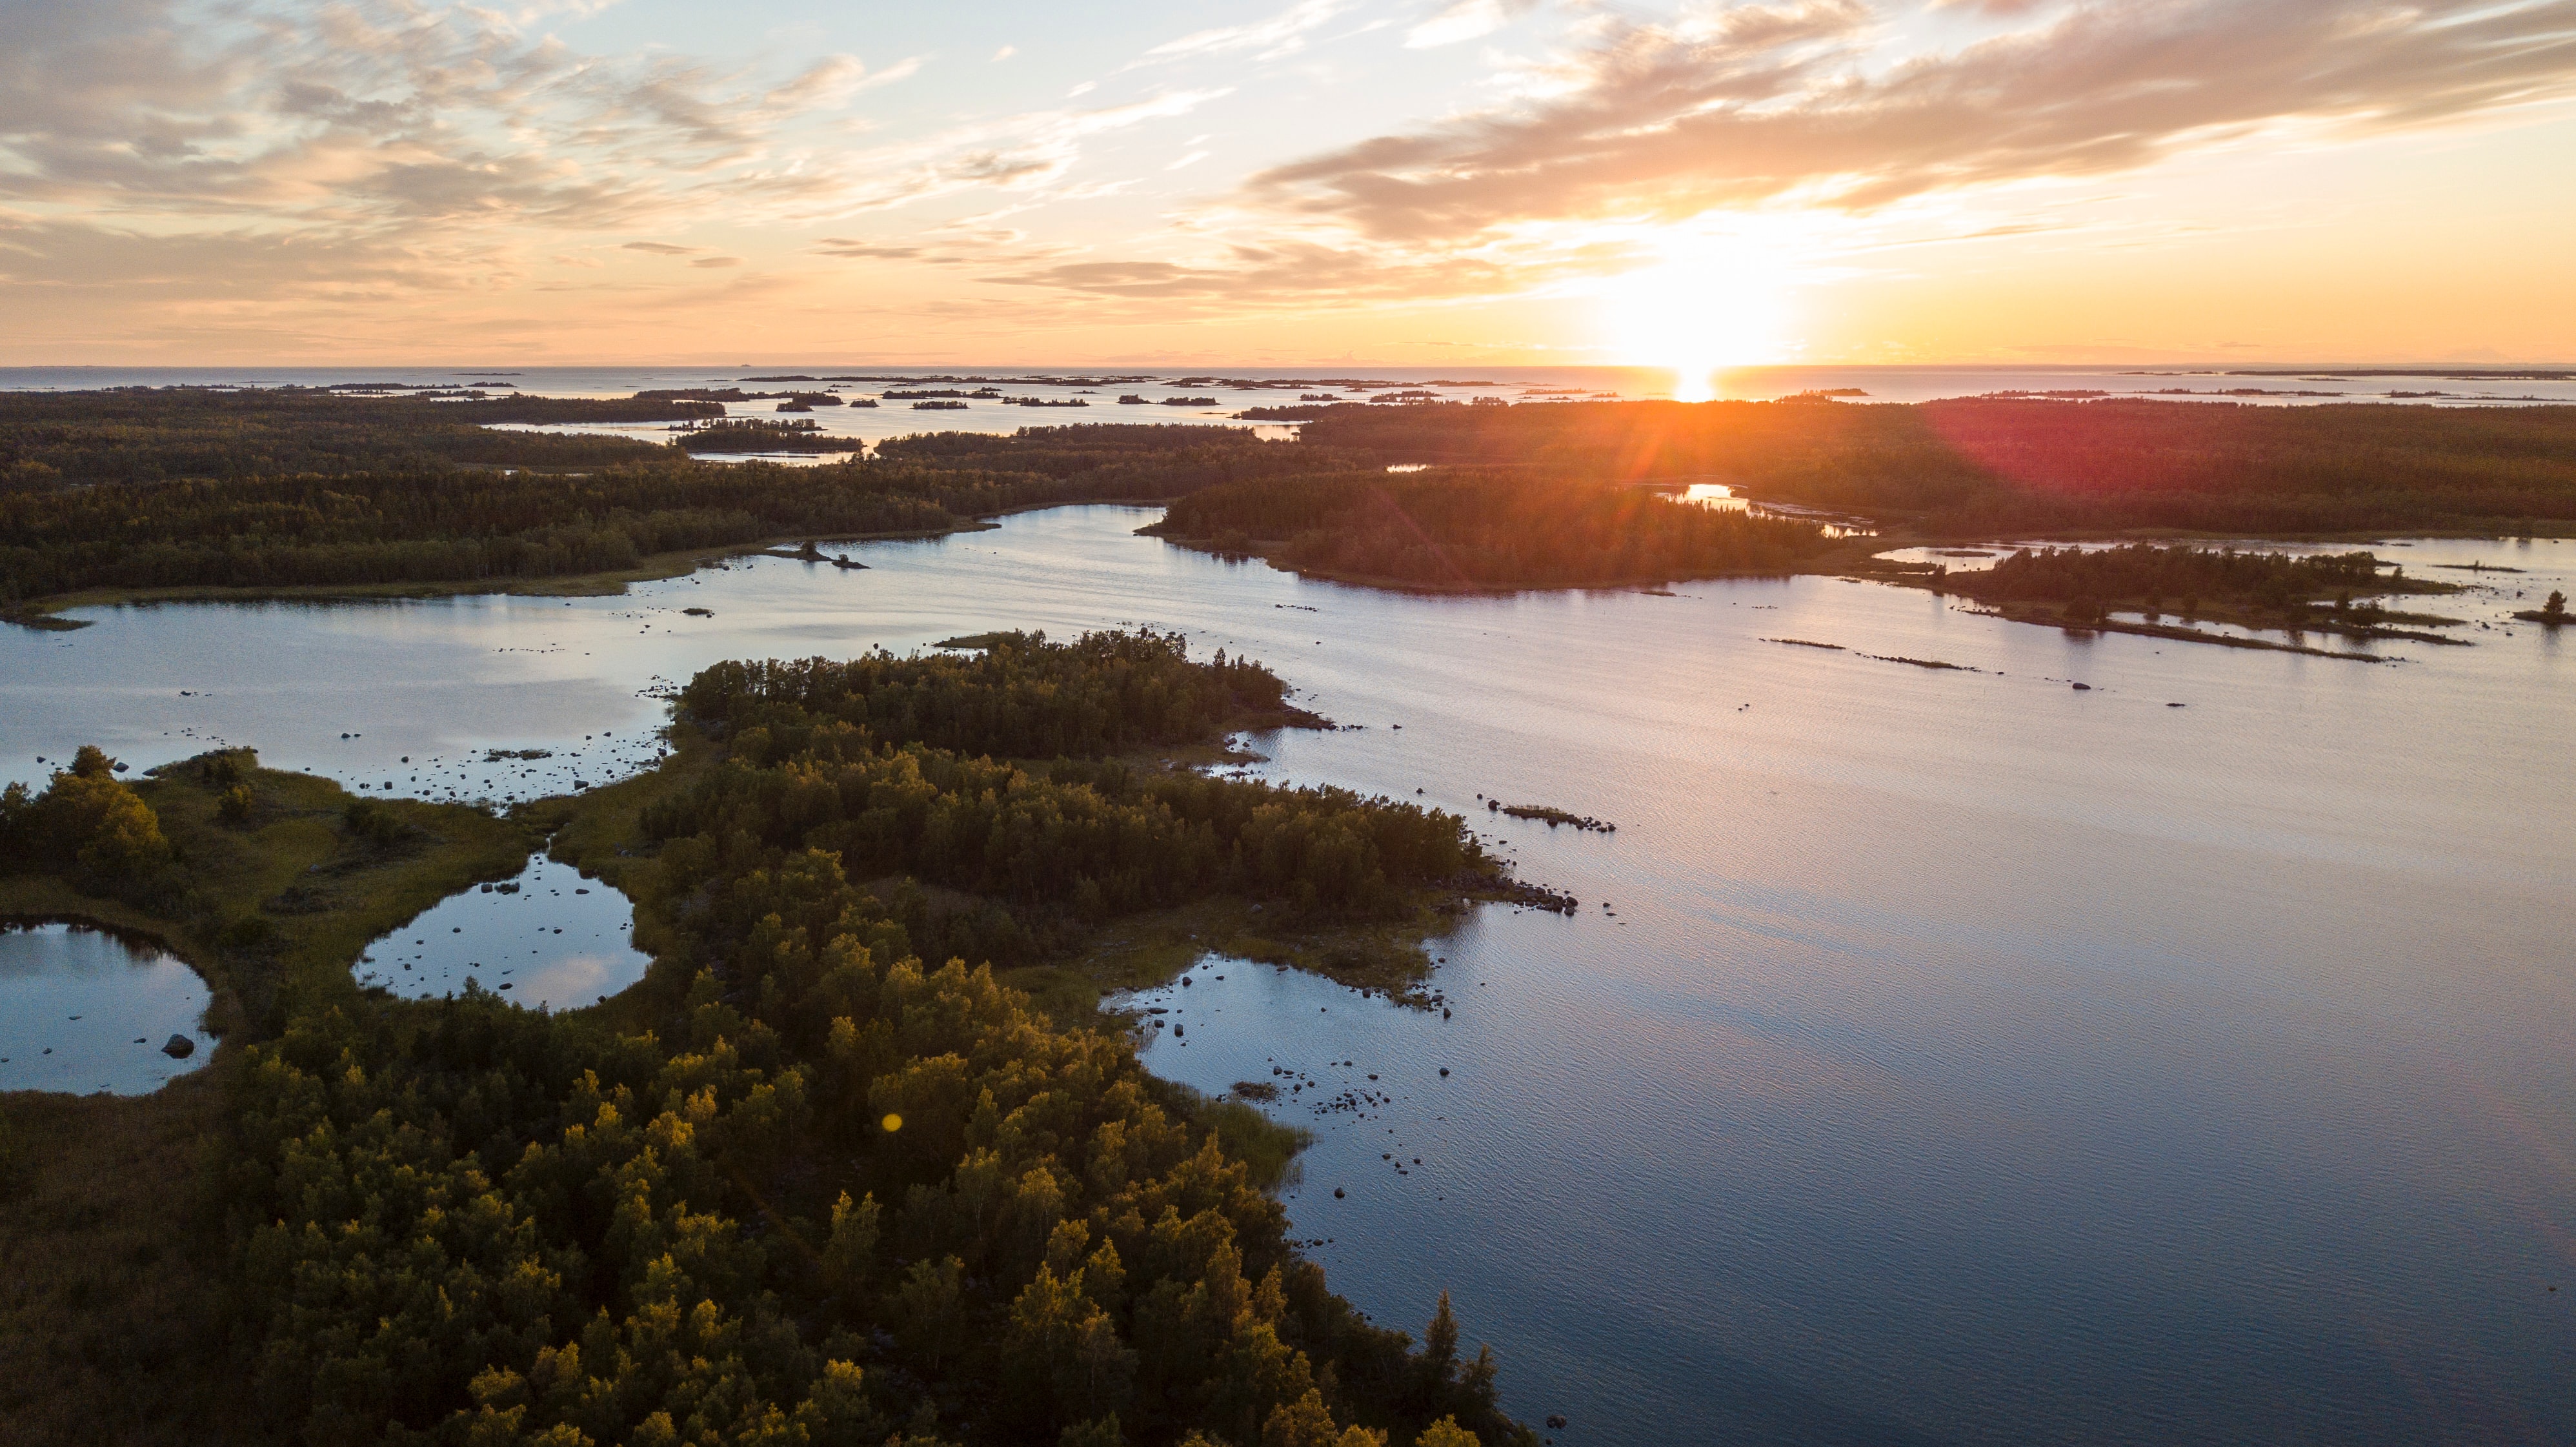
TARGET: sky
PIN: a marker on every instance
(1287, 182)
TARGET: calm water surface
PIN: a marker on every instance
(548, 937)
(82, 1010)
(1960, 1057)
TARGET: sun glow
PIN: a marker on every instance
(1719, 305)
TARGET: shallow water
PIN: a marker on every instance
(83, 1010)
(1969, 1058)
(549, 937)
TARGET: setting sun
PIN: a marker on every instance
(1716, 307)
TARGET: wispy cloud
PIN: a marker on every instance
(1017, 153)
(1758, 102)
(381, 113)
(1280, 34)
(1466, 20)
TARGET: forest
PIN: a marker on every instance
(148, 434)
(2191, 582)
(805, 1184)
(186, 488)
(1121, 462)
(190, 488)
(1979, 468)
(1482, 528)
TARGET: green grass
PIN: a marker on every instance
(1267, 1147)
(285, 901)
(110, 1289)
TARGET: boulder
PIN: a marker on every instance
(178, 1047)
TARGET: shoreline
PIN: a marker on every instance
(40, 614)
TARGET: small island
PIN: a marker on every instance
(2551, 614)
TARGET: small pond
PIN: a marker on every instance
(548, 937)
(85, 1010)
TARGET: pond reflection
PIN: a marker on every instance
(84, 1010)
(549, 937)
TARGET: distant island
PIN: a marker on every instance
(195, 493)
(192, 492)
(1472, 530)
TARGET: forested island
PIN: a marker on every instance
(1478, 529)
(806, 1183)
(152, 435)
(2337, 593)
(176, 493)
(1975, 468)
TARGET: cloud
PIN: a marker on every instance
(342, 117)
(1466, 20)
(1281, 34)
(1759, 102)
(662, 248)
(717, 261)
(959, 244)
(1006, 52)
(1025, 153)
(1297, 276)
(854, 249)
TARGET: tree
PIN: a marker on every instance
(127, 840)
(853, 1244)
(17, 827)
(930, 1310)
(1099, 1432)
(1440, 1341)
(87, 816)
(2556, 607)
(1446, 1433)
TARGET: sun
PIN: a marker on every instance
(1717, 306)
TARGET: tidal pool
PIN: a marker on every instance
(549, 937)
(1938, 1057)
(85, 1010)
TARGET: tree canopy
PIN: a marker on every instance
(1996, 467)
(817, 1189)
(1484, 529)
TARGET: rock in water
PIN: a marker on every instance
(178, 1047)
